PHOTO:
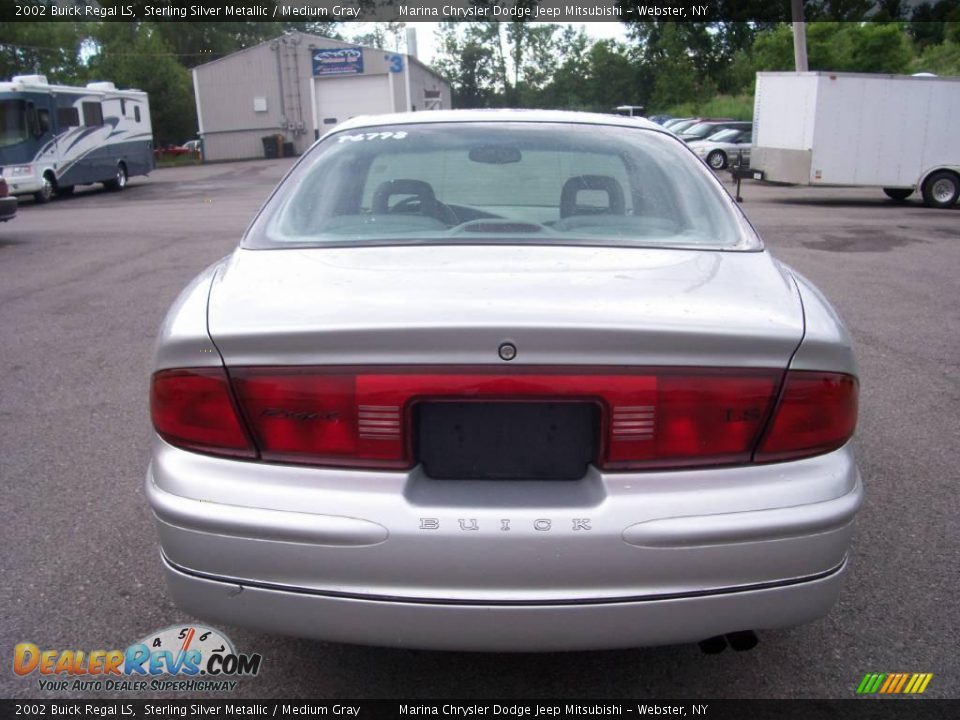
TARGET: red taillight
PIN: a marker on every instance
(652, 418)
(193, 409)
(322, 418)
(658, 418)
(684, 420)
(817, 413)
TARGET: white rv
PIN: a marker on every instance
(900, 133)
(55, 137)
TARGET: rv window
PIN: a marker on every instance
(13, 122)
(136, 113)
(67, 117)
(43, 120)
(32, 126)
(123, 107)
(92, 114)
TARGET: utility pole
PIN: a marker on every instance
(799, 36)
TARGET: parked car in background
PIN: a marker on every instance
(725, 147)
(660, 119)
(705, 128)
(429, 403)
(669, 124)
(193, 146)
(681, 125)
(8, 203)
(171, 151)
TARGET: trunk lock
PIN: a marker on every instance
(508, 351)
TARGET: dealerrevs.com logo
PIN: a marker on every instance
(190, 658)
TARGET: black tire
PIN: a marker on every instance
(898, 194)
(119, 180)
(717, 159)
(941, 189)
(45, 193)
(65, 189)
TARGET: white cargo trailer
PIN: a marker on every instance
(896, 132)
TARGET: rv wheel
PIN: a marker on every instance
(45, 193)
(119, 181)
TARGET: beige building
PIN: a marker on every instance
(299, 86)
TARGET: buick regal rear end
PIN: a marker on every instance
(503, 381)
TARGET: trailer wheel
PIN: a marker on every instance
(45, 193)
(898, 194)
(941, 189)
(119, 180)
(717, 159)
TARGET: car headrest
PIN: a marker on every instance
(605, 183)
(420, 189)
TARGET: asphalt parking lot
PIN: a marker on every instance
(86, 280)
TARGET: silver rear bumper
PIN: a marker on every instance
(628, 559)
(503, 628)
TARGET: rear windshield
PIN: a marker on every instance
(499, 182)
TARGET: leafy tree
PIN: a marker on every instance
(136, 55)
(468, 65)
(49, 48)
(840, 46)
(497, 63)
(386, 36)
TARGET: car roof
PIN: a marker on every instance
(537, 116)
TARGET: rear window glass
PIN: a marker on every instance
(497, 182)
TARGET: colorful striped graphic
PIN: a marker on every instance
(894, 683)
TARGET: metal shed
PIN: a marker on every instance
(298, 86)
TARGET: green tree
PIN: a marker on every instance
(135, 55)
(468, 65)
(497, 63)
(840, 46)
(49, 48)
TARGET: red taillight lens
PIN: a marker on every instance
(652, 418)
(323, 418)
(193, 409)
(691, 419)
(817, 413)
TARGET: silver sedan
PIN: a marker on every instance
(503, 381)
(725, 148)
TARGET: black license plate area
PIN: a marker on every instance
(507, 440)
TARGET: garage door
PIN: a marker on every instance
(340, 99)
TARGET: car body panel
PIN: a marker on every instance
(456, 304)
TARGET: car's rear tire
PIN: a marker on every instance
(119, 180)
(45, 193)
(898, 194)
(941, 189)
(717, 159)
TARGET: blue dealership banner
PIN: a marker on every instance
(338, 61)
